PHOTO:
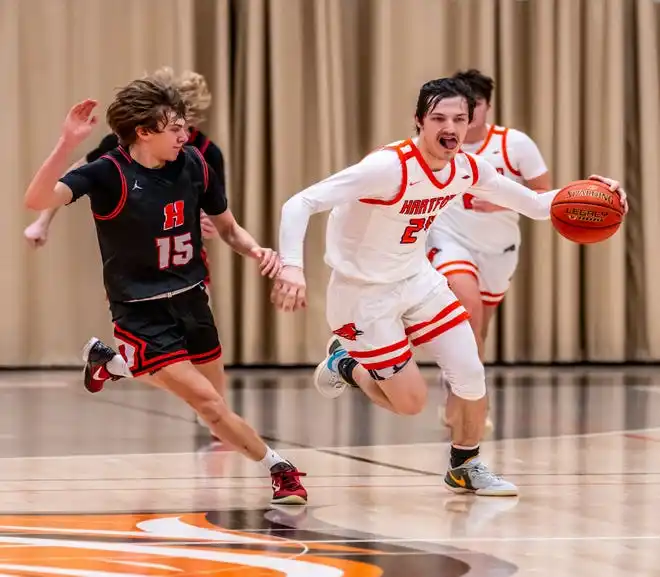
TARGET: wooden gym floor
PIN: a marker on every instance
(126, 483)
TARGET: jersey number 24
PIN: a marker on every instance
(409, 235)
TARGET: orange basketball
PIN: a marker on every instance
(586, 211)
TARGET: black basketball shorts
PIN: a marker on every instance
(156, 333)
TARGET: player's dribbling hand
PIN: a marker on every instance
(79, 122)
(615, 186)
(269, 261)
(208, 228)
(288, 293)
(36, 234)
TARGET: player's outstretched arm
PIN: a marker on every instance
(215, 210)
(505, 192)
(241, 241)
(539, 184)
(36, 233)
(45, 191)
(377, 176)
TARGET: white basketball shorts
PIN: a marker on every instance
(378, 323)
(493, 271)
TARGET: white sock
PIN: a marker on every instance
(271, 459)
(117, 366)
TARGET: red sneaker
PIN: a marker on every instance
(287, 489)
(96, 355)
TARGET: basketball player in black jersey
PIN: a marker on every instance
(146, 198)
(194, 90)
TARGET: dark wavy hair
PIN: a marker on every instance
(143, 103)
(482, 86)
(434, 91)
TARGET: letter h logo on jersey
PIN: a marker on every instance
(174, 215)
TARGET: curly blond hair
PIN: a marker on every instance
(193, 89)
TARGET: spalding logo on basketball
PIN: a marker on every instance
(586, 211)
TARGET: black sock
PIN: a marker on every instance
(459, 456)
(345, 368)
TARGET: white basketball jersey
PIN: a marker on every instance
(383, 241)
(489, 232)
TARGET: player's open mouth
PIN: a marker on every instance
(448, 142)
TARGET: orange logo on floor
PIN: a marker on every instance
(164, 544)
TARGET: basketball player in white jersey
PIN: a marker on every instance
(384, 295)
(475, 243)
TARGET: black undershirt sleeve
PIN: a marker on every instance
(100, 180)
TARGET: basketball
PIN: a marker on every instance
(586, 211)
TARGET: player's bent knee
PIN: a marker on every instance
(466, 289)
(457, 353)
(412, 404)
(468, 378)
(211, 408)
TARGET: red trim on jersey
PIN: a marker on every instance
(204, 146)
(475, 168)
(205, 167)
(402, 186)
(427, 169)
(124, 192)
(484, 144)
(124, 153)
(505, 155)
(193, 135)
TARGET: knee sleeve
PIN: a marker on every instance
(467, 379)
(455, 351)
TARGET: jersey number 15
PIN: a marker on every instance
(174, 250)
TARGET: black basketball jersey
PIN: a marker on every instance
(149, 233)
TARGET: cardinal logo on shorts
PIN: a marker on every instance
(349, 332)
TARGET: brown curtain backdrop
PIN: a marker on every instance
(301, 89)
